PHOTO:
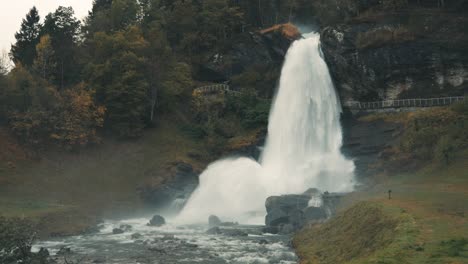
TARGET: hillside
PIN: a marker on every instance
(425, 219)
(424, 222)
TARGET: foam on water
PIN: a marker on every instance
(302, 148)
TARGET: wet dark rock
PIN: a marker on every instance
(263, 242)
(213, 221)
(126, 228)
(276, 217)
(286, 229)
(214, 231)
(314, 213)
(287, 203)
(64, 251)
(117, 231)
(288, 213)
(393, 56)
(190, 245)
(43, 253)
(158, 250)
(367, 143)
(285, 209)
(168, 237)
(157, 221)
(270, 229)
(251, 49)
(136, 236)
(227, 224)
(234, 232)
(313, 192)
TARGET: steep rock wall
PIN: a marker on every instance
(378, 51)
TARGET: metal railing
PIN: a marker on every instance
(419, 102)
(216, 88)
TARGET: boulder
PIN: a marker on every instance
(213, 231)
(234, 233)
(286, 209)
(213, 221)
(64, 251)
(157, 221)
(117, 231)
(126, 228)
(288, 213)
(136, 236)
(287, 203)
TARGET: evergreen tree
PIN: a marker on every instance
(124, 13)
(117, 72)
(63, 29)
(44, 62)
(24, 50)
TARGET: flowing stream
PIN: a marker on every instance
(302, 148)
(302, 151)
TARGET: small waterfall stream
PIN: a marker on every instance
(302, 148)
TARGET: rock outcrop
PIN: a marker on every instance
(288, 213)
(173, 193)
(368, 142)
(261, 50)
(157, 221)
(214, 221)
(381, 52)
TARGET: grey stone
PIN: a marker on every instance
(286, 229)
(157, 221)
(117, 231)
(276, 217)
(234, 233)
(213, 221)
(136, 236)
(213, 231)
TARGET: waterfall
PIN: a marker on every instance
(302, 149)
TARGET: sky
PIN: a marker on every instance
(13, 11)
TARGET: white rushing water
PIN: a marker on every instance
(302, 148)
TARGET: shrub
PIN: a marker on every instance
(436, 134)
(16, 238)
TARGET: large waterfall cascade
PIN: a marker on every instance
(302, 149)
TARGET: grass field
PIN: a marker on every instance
(101, 180)
(424, 222)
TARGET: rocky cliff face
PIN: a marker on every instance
(260, 52)
(380, 50)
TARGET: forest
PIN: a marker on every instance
(116, 72)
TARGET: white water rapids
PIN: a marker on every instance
(302, 148)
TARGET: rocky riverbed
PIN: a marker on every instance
(133, 241)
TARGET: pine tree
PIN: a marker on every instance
(44, 62)
(24, 50)
(63, 29)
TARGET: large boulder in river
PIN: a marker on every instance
(286, 209)
(213, 221)
(157, 221)
(117, 231)
(288, 213)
